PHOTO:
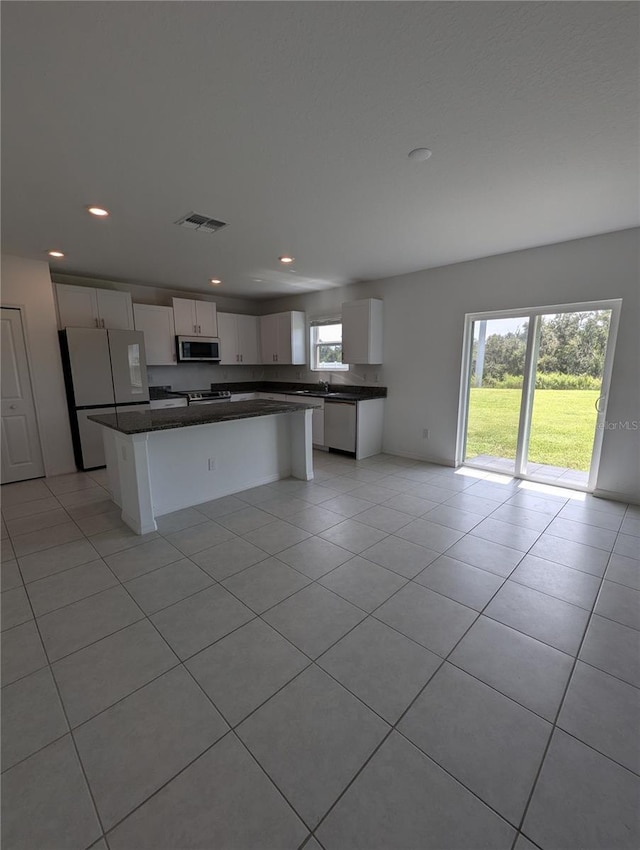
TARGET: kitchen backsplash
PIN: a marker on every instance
(197, 376)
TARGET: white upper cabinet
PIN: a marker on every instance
(195, 318)
(159, 333)
(362, 331)
(269, 338)
(115, 309)
(86, 307)
(249, 339)
(283, 338)
(228, 331)
(239, 339)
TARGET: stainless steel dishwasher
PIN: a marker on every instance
(340, 425)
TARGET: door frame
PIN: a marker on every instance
(534, 314)
(22, 311)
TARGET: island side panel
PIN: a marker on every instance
(129, 478)
(193, 465)
(302, 445)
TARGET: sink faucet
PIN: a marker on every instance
(324, 386)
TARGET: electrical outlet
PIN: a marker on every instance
(376, 378)
(212, 464)
(364, 377)
(425, 433)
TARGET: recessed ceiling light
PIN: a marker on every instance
(98, 211)
(420, 154)
(214, 281)
(56, 254)
(286, 259)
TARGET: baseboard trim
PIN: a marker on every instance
(613, 496)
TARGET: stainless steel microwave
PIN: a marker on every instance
(198, 348)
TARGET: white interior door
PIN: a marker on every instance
(21, 452)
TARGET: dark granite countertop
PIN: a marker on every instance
(145, 421)
(340, 392)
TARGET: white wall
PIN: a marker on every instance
(423, 330)
(27, 284)
(198, 376)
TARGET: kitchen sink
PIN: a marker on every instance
(316, 393)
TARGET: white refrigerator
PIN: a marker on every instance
(105, 371)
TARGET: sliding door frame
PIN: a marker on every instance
(534, 316)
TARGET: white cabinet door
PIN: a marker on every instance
(283, 338)
(115, 311)
(184, 316)
(269, 338)
(283, 350)
(362, 331)
(228, 330)
(77, 306)
(248, 339)
(195, 318)
(206, 318)
(159, 333)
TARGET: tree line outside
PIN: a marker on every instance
(571, 355)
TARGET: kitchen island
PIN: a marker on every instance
(159, 461)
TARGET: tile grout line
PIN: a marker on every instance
(561, 705)
(66, 717)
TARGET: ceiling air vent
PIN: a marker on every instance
(195, 221)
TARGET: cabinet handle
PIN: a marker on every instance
(241, 358)
(103, 323)
(97, 324)
(199, 329)
(195, 329)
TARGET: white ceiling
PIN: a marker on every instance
(292, 121)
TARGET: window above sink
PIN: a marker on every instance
(326, 346)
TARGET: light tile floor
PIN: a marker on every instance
(395, 656)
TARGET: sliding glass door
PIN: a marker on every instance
(534, 391)
(495, 392)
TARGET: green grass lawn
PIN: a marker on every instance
(562, 427)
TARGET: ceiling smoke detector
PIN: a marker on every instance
(196, 221)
